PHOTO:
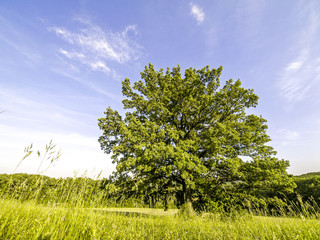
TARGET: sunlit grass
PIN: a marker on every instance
(30, 220)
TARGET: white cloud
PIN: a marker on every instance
(94, 65)
(72, 55)
(300, 79)
(94, 47)
(99, 65)
(294, 66)
(93, 40)
(197, 13)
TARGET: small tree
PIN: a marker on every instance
(179, 130)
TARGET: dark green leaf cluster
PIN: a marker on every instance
(308, 187)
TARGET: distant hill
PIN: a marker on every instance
(309, 175)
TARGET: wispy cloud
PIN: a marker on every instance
(72, 55)
(95, 48)
(299, 80)
(99, 65)
(294, 66)
(197, 13)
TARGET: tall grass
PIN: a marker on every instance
(74, 209)
(30, 220)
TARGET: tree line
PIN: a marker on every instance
(110, 192)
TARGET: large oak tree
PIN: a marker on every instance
(181, 130)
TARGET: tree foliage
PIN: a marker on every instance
(185, 135)
(308, 187)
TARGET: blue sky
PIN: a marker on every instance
(62, 63)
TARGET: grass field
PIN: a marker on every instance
(38, 207)
(29, 220)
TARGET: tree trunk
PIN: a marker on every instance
(166, 207)
(187, 201)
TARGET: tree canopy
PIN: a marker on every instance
(186, 135)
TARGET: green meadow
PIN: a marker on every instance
(30, 220)
(29, 209)
(40, 207)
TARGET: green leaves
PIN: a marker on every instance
(182, 128)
